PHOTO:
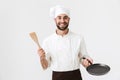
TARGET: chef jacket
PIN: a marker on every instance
(64, 53)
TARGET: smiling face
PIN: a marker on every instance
(62, 21)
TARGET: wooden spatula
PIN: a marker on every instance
(44, 62)
(35, 39)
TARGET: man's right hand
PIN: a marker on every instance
(41, 53)
(43, 60)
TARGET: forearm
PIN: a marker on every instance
(44, 62)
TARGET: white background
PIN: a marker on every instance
(97, 20)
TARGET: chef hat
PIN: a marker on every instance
(57, 10)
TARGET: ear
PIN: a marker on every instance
(55, 19)
(69, 18)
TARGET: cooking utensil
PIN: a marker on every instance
(97, 69)
(35, 39)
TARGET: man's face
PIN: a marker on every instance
(62, 21)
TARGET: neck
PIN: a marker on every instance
(62, 33)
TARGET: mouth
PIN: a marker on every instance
(63, 24)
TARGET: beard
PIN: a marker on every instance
(63, 27)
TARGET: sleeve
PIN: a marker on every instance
(47, 53)
(83, 50)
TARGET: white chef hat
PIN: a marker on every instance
(57, 10)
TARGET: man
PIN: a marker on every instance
(64, 50)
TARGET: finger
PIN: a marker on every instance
(41, 51)
(87, 63)
(90, 60)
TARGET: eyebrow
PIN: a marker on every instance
(64, 16)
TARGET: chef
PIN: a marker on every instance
(64, 50)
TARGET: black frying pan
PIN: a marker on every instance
(97, 69)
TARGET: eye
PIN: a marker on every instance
(66, 17)
(59, 17)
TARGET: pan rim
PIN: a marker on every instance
(101, 65)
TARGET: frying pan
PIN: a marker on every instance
(97, 69)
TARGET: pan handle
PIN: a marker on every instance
(87, 60)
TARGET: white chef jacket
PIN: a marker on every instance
(64, 53)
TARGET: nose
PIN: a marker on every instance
(62, 20)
